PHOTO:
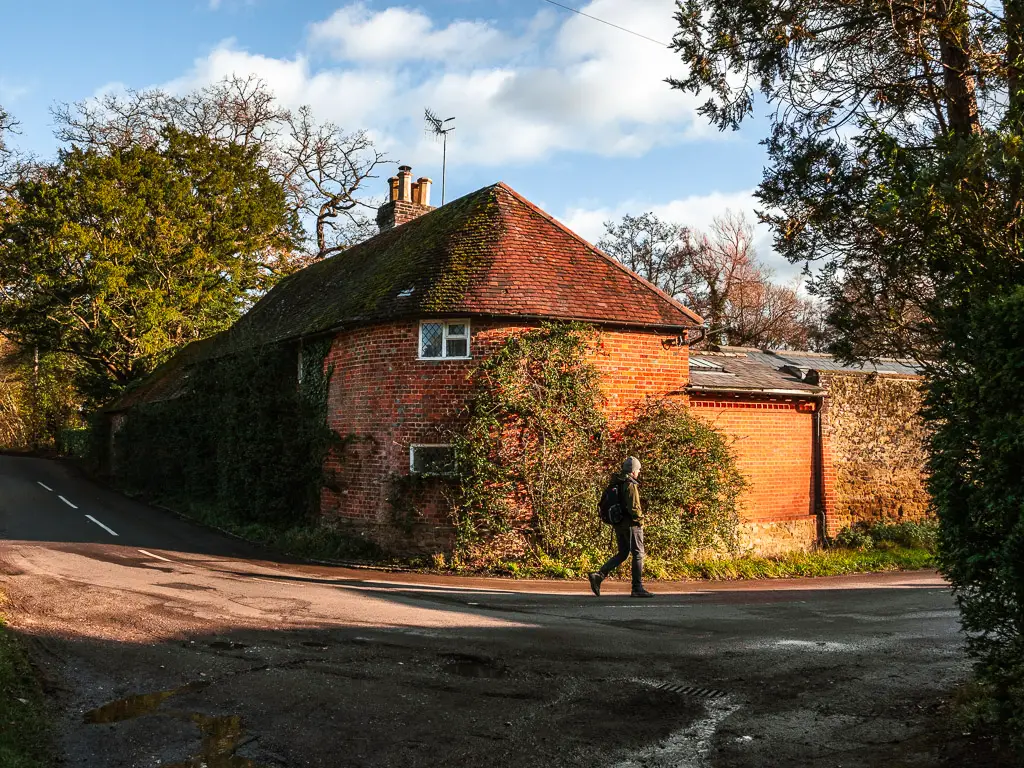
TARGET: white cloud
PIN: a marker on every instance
(355, 33)
(564, 83)
(695, 211)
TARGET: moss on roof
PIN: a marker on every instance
(490, 253)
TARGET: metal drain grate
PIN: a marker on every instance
(692, 690)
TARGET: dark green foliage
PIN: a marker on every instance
(25, 733)
(689, 485)
(118, 258)
(917, 534)
(854, 537)
(246, 439)
(529, 459)
(977, 407)
(898, 166)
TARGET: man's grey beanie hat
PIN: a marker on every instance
(630, 465)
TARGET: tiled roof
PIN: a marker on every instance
(491, 252)
(736, 372)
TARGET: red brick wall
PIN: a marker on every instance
(383, 399)
(774, 445)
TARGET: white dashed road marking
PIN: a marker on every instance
(101, 525)
(73, 506)
(46, 486)
(150, 554)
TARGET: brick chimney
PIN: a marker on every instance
(407, 199)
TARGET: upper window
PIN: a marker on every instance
(444, 339)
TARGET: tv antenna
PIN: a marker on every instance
(436, 127)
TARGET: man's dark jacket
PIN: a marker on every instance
(629, 499)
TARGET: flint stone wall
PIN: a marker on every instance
(874, 440)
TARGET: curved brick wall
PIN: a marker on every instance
(383, 399)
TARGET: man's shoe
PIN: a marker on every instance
(641, 593)
(595, 582)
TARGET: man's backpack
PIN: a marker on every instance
(610, 506)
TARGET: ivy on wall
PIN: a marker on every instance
(529, 459)
(248, 438)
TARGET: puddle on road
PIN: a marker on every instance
(221, 734)
(136, 706)
(221, 737)
(467, 665)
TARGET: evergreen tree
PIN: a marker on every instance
(119, 258)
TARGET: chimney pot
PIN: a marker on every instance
(405, 183)
(408, 199)
(424, 186)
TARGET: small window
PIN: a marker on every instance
(432, 459)
(444, 339)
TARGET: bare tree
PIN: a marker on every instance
(718, 275)
(322, 168)
(724, 263)
(657, 250)
(8, 161)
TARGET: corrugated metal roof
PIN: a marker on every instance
(822, 362)
(743, 369)
(738, 373)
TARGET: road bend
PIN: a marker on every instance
(165, 643)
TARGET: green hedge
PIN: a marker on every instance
(245, 439)
(976, 406)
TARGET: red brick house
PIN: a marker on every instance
(410, 312)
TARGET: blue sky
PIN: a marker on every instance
(571, 113)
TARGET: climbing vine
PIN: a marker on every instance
(536, 452)
(247, 437)
(529, 459)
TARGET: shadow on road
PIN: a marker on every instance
(499, 697)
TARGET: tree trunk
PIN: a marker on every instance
(958, 76)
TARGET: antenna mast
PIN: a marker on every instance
(436, 127)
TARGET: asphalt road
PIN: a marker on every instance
(163, 643)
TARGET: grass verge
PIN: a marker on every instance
(328, 543)
(825, 562)
(24, 728)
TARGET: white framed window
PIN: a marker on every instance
(444, 340)
(431, 459)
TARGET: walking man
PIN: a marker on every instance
(629, 534)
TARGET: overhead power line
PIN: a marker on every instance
(603, 21)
